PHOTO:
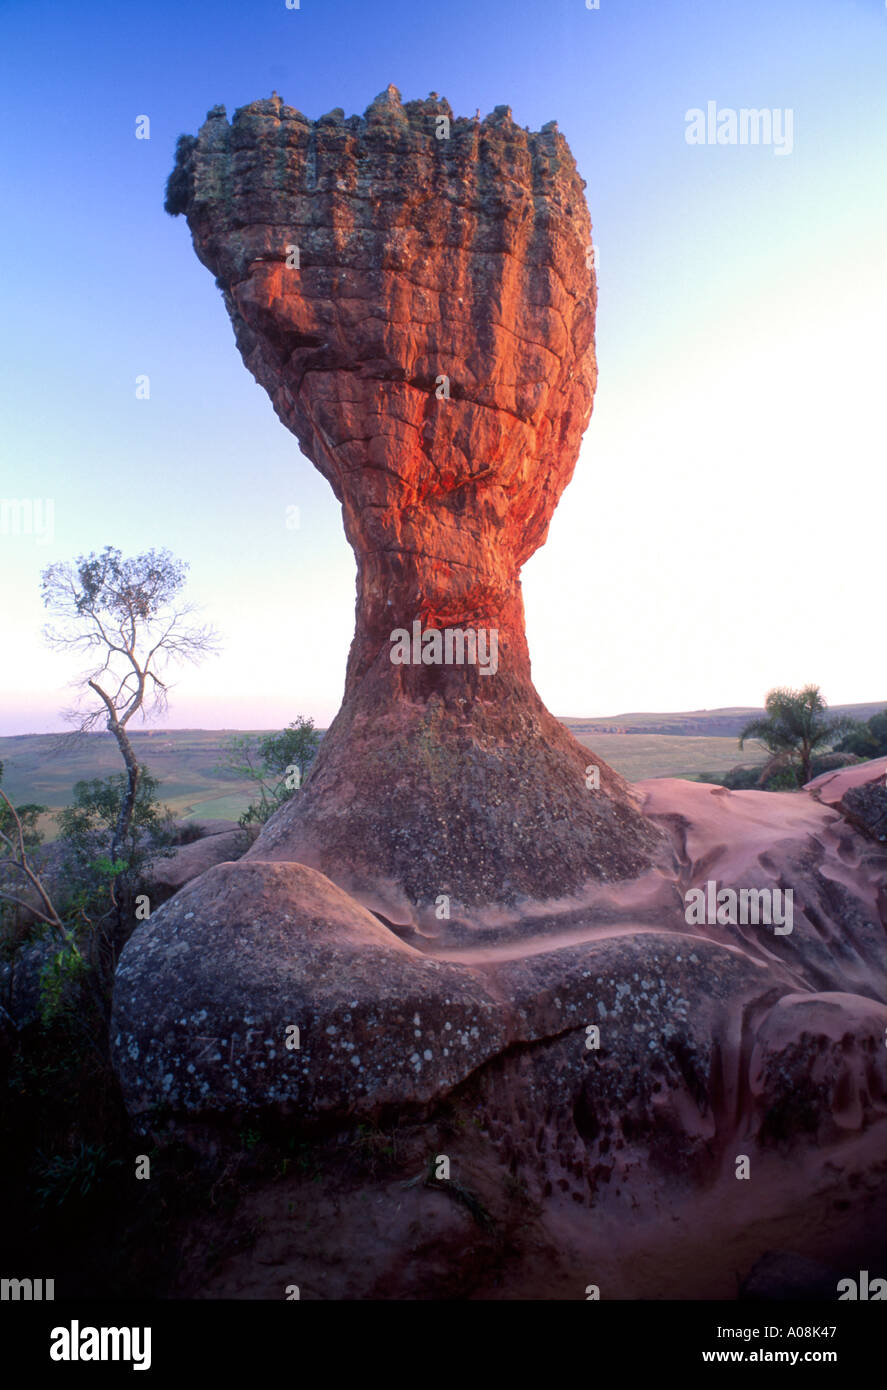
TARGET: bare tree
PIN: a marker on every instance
(127, 614)
(17, 835)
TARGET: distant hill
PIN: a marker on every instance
(722, 723)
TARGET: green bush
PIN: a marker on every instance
(867, 740)
(740, 779)
(74, 1175)
(278, 764)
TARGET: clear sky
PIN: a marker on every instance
(724, 531)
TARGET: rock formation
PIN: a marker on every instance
(220, 842)
(617, 1054)
(206, 990)
(712, 1043)
(415, 293)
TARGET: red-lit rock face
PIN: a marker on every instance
(415, 294)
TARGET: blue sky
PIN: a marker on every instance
(724, 530)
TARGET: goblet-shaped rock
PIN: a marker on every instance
(415, 292)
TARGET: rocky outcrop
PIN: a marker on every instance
(171, 872)
(248, 953)
(599, 1079)
(617, 1062)
(727, 1024)
(858, 795)
(415, 293)
(530, 953)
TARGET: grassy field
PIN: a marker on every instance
(44, 767)
(638, 756)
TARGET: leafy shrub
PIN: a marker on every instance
(740, 779)
(187, 832)
(78, 1174)
(867, 740)
(278, 765)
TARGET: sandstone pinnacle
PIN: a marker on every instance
(415, 292)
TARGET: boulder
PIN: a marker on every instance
(860, 793)
(209, 989)
(170, 872)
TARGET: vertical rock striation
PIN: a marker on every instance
(414, 292)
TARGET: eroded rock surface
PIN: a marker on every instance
(218, 846)
(859, 796)
(612, 1151)
(207, 994)
(703, 1030)
(415, 293)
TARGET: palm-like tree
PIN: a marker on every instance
(796, 723)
